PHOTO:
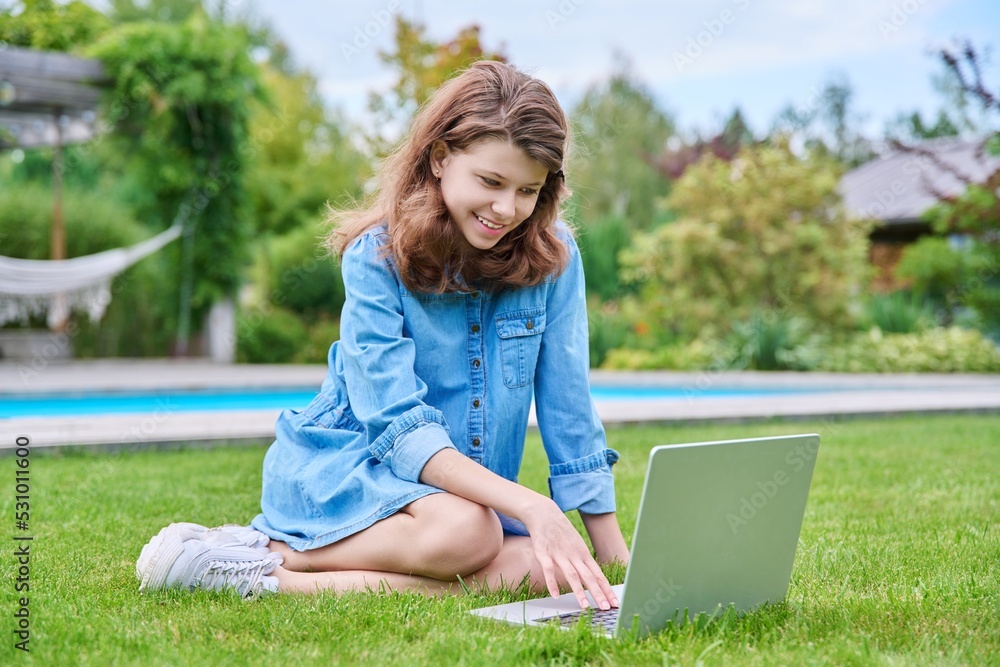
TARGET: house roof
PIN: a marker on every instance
(899, 186)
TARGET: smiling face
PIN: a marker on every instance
(489, 188)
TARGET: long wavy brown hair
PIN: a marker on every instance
(489, 100)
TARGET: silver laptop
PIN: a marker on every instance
(717, 529)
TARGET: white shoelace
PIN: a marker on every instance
(245, 576)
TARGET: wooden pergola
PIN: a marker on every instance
(49, 99)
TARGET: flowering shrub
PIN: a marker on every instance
(937, 350)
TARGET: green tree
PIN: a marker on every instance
(618, 132)
(181, 98)
(827, 124)
(963, 112)
(421, 65)
(913, 127)
(726, 145)
(969, 279)
(51, 26)
(764, 233)
(960, 84)
(934, 270)
(304, 155)
(237, 14)
(168, 11)
(601, 242)
(973, 216)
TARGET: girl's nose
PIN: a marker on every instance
(503, 205)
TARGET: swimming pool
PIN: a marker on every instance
(90, 403)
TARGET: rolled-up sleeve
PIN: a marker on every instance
(385, 393)
(580, 461)
(585, 484)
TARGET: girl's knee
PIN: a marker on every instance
(464, 537)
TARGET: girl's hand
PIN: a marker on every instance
(556, 544)
(559, 549)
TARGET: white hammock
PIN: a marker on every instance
(33, 287)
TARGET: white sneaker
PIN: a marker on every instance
(243, 534)
(180, 559)
(221, 535)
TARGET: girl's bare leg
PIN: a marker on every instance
(511, 565)
(437, 537)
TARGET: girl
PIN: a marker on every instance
(465, 300)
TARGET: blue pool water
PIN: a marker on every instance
(59, 404)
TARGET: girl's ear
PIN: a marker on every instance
(439, 157)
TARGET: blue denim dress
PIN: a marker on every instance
(414, 373)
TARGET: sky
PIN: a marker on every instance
(698, 59)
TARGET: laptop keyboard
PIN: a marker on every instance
(600, 619)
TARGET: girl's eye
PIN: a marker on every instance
(491, 183)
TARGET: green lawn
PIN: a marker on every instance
(898, 564)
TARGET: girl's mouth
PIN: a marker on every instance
(489, 225)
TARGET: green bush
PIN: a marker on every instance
(696, 355)
(93, 222)
(280, 336)
(320, 336)
(608, 329)
(624, 323)
(898, 312)
(979, 293)
(932, 267)
(764, 232)
(937, 350)
(984, 302)
(765, 342)
(772, 341)
(269, 336)
(600, 244)
(300, 277)
(962, 284)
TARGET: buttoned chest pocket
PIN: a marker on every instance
(520, 335)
